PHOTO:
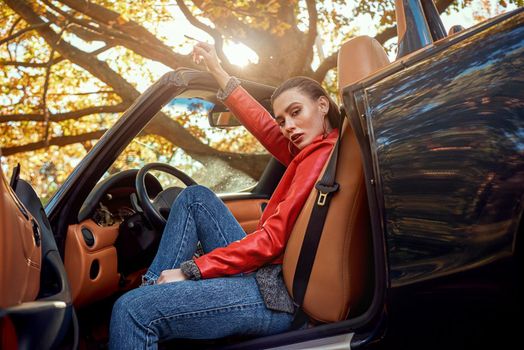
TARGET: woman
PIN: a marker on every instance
(236, 287)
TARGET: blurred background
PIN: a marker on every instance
(69, 68)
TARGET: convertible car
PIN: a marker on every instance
(421, 244)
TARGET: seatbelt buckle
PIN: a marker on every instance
(324, 190)
(322, 199)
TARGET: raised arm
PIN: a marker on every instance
(249, 112)
(260, 123)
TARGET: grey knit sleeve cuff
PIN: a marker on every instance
(191, 270)
(231, 85)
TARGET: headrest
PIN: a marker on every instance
(358, 58)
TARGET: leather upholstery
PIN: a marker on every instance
(247, 212)
(358, 58)
(79, 258)
(20, 255)
(341, 278)
(401, 19)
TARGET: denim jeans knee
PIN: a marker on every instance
(204, 309)
(196, 193)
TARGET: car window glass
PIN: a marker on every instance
(223, 159)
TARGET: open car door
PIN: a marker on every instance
(35, 302)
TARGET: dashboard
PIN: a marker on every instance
(111, 200)
(114, 207)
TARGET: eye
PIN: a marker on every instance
(280, 122)
(295, 112)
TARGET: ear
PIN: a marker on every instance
(323, 104)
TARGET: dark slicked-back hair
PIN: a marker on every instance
(313, 90)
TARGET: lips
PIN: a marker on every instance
(296, 137)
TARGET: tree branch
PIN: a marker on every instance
(329, 63)
(217, 36)
(391, 32)
(27, 64)
(99, 28)
(58, 117)
(251, 164)
(15, 23)
(83, 93)
(313, 18)
(258, 40)
(133, 37)
(90, 63)
(100, 50)
(178, 135)
(442, 5)
(386, 34)
(114, 20)
(22, 31)
(130, 34)
(56, 141)
(307, 56)
(45, 110)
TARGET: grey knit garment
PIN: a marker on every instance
(273, 290)
(269, 280)
(191, 270)
(231, 85)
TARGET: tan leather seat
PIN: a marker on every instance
(341, 280)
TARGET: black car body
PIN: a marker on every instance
(441, 132)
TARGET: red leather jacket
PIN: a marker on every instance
(266, 245)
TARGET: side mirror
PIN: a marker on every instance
(455, 29)
(223, 119)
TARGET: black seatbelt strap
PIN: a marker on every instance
(326, 187)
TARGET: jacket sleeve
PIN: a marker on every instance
(267, 243)
(260, 123)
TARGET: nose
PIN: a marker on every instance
(289, 125)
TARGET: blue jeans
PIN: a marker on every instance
(204, 309)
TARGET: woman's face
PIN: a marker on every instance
(300, 118)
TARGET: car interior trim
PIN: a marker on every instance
(81, 258)
(21, 254)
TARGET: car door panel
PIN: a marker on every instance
(92, 270)
(20, 255)
(247, 211)
(44, 315)
(447, 161)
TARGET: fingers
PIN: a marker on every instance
(207, 47)
(203, 48)
(167, 276)
(207, 53)
(199, 53)
(164, 277)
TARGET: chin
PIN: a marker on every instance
(302, 145)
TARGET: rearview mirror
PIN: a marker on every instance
(223, 119)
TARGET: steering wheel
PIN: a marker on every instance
(156, 211)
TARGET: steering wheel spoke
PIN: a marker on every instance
(157, 211)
